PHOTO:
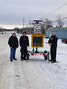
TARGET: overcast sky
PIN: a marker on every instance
(13, 11)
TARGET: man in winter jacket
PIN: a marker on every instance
(13, 44)
(24, 42)
(53, 46)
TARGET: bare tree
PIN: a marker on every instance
(59, 21)
(48, 23)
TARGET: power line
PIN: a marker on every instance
(60, 19)
(56, 9)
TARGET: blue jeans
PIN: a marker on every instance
(12, 53)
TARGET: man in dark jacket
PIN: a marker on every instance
(13, 43)
(53, 44)
(24, 42)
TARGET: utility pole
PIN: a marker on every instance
(23, 23)
(30, 26)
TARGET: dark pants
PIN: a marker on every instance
(23, 52)
(53, 53)
(12, 53)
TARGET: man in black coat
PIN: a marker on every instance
(24, 42)
(53, 46)
(13, 44)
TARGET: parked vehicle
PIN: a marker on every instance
(64, 40)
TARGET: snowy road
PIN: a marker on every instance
(35, 73)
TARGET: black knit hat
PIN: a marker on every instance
(24, 32)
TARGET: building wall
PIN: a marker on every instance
(60, 33)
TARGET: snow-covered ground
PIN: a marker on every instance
(35, 73)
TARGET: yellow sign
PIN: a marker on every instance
(37, 40)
